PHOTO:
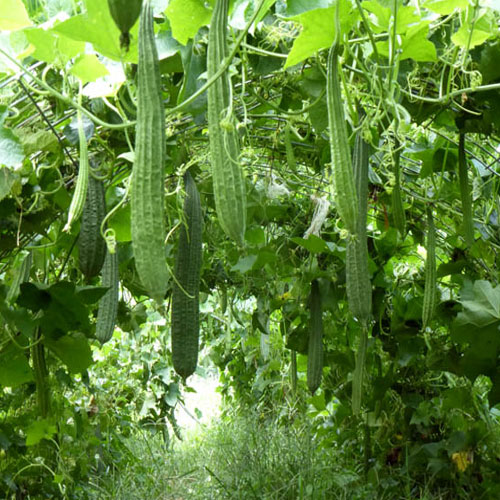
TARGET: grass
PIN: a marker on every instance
(251, 458)
(237, 458)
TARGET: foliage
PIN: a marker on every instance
(419, 83)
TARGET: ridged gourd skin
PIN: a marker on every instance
(359, 290)
(398, 211)
(315, 347)
(430, 290)
(227, 173)
(148, 172)
(465, 192)
(125, 14)
(185, 301)
(357, 378)
(91, 245)
(82, 181)
(108, 304)
(342, 173)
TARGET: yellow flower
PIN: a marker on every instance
(462, 459)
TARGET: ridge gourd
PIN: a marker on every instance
(227, 174)
(148, 175)
(185, 289)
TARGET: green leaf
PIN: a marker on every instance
(120, 223)
(7, 180)
(97, 27)
(313, 243)
(245, 264)
(468, 36)
(186, 18)
(296, 7)
(194, 66)
(73, 350)
(38, 140)
(38, 430)
(14, 367)
(489, 67)
(19, 319)
(381, 18)
(477, 329)
(445, 7)
(44, 42)
(91, 294)
(13, 15)
(256, 236)
(416, 46)
(88, 68)
(63, 309)
(11, 151)
(318, 31)
(481, 307)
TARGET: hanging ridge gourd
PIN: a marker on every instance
(398, 211)
(185, 289)
(359, 290)
(315, 347)
(125, 14)
(465, 192)
(342, 172)
(148, 173)
(430, 290)
(82, 181)
(108, 304)
(227, 174)
(91, 245)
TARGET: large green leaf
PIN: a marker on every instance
(13, 15)
(64, 307)
(477, 330)
(318, 31)
(73, 350)
(14, 367)
(97, 27)
(186, 18)
(11, 151)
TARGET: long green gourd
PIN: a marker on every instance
(185, 289)
(91, 245)
(148, 172)
(315, 347)
(465, 192)
(359, 290)
(82, 181)
(343, 177)
(430, 290)
(227, 174)
(108, 304)
(359, 369)
(398, 211)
